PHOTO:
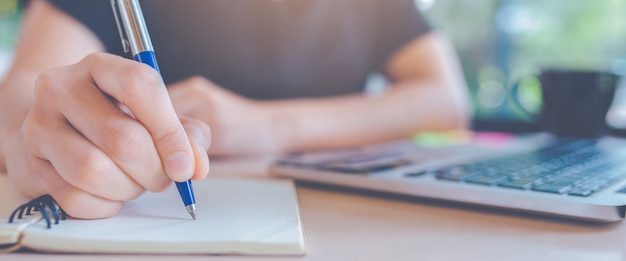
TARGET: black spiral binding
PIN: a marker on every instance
(46, 205)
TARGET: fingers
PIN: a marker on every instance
(48, 135)
(84, 166)
(33, 177)
(141, 89)
(200, 137)
(75, 202)
(79, 146)
(121, 140)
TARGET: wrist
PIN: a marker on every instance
(283, 126)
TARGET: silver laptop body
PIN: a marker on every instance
(574, 178)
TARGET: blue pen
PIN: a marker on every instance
(130, 20)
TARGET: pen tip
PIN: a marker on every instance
(191, 209)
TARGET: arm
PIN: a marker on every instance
(428, 93)
(69, 137)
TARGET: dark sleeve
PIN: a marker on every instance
(399, 22)
(96, 15)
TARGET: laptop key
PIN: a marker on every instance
(556, 187)
(454, 173)
(523, 183)
(487, 179)
(581, 192)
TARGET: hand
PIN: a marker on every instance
(239, 125)
(79, 146)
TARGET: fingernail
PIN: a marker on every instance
(179, 166)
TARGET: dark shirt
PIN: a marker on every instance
(267, 49)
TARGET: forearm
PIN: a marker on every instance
(403, 110)
(429, 94)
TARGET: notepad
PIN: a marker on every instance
(235, 216)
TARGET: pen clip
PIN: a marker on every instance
(125, 42)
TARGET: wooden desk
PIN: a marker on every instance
(352, 225)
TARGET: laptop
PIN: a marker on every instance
(575, 178)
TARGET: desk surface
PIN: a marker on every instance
(355, 225)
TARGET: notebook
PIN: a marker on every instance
(583, 179)
(235, 216)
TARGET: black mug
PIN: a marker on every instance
(575, 102)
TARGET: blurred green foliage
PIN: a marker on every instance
(10, 15)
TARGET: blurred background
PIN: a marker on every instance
(504, 43)
(10, 15)
(501, 44)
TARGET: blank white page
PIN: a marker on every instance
(244, 216)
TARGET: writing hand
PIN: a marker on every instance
(77, 145)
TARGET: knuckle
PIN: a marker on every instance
(125, 139)
(94, 176)
(198, 82)
(205, 130)
(31, 129)
(94, 57)
(200, 130)
(141, 79)
(36, 131)
(31, 126)
(94, 170)
(47, 86)
(171, 138)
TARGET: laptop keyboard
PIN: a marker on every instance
(574, 167)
